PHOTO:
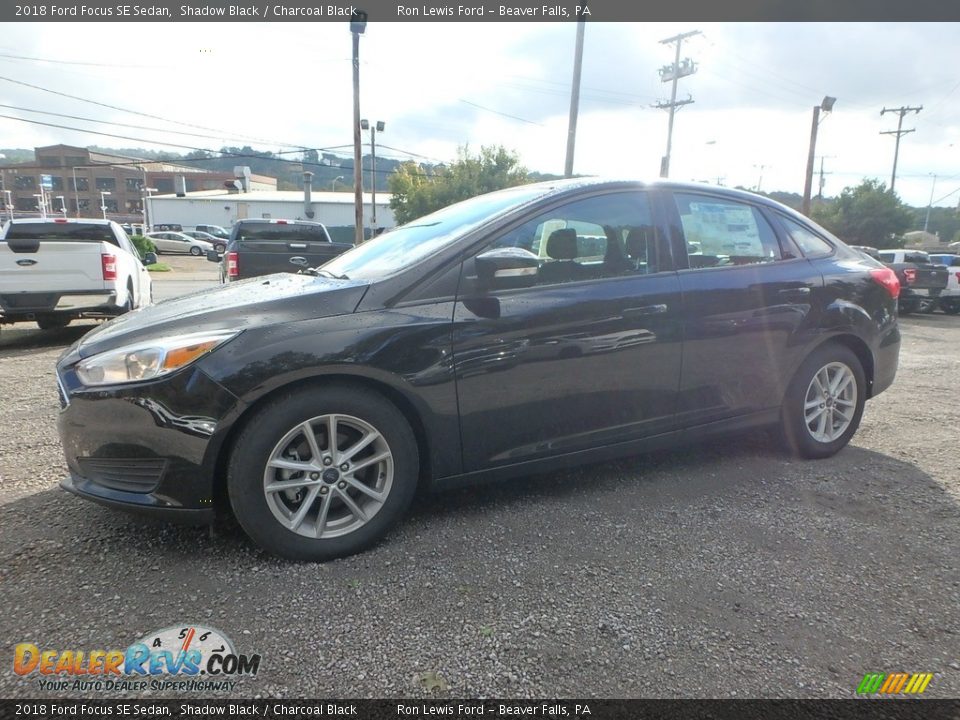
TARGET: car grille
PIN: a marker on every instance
(139, 475)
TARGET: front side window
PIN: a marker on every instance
(602, 236)
(721, 232)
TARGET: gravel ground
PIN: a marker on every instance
(721, 570)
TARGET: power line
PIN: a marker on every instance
(502, 114)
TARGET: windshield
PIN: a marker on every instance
(408, 244)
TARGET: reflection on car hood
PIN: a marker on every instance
(283, 297)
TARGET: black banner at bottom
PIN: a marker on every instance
(492, 709)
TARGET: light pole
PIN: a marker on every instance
(374, 129)
(333, 185)
(358, 24)
(63, 206)
(933, 187)
(103, 202)
(827, 106)
(8, 201)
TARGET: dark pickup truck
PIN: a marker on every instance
(921, 281)
(261, 247)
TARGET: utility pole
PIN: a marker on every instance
(760, 181)
(672, 73)
(358, 23)
(827, 106)
(901, 111)
(933, 187)
(574, 100)
(822, 173)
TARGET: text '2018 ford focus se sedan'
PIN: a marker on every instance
(524, 330)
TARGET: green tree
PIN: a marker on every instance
(418, 191)
(867, 214)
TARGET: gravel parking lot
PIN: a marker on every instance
(722, 570)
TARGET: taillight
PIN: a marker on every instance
(887, 279)
(910, 274)
(108, 265)
(233, 265)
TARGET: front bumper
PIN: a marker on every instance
(149, 447)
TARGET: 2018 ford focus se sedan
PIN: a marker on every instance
(524, 330)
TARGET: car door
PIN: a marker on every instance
(587, 353)
(163, 243)
(748, 295)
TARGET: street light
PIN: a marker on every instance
(41, 205)
(333, 185)
(374, 129)
(827, 106)
(63, 205)
(103, 202)
(8, 201)
(358, 24)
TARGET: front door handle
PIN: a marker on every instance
(795, 293)
(658, 309)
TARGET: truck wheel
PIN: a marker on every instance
(53, 322)
(321, 473)
(824, 402)
(951, 306)
(928, 306)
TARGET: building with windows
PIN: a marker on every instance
(78, 182)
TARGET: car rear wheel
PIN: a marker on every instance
(824, 402)
(951, 306)
(321, 473)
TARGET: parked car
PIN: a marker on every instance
(950, 297)
(260, 247)
(178, 242)
(55, 271)
(219, 244)
(494, 338)
(921, 282)
(214, 230)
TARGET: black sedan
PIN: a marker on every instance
(528, 329)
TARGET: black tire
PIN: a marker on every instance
(220, 247)
(798, 436)
(53, 322)
(906, 307)
(928, 306)
(195, 251)
(951, 306)
(270, 431)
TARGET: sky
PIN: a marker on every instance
(439, 86)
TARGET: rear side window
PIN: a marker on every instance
(61, 232)
(916, 257)
(887, 257)
(810, 245)
(721, 232)
(283, 233)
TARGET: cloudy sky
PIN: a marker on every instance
(440, 85)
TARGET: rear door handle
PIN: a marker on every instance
(796, 293)
(645, 310)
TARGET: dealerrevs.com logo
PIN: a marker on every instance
(182, 658)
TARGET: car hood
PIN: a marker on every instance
(260, 301)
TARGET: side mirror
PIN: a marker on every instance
(509, 267)
(150, 258)
(214, 256)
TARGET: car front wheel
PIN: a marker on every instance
(321, 473)
(824, 402)
(195, 251)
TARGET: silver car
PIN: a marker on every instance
(178, 242)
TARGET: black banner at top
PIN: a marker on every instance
(478, 10)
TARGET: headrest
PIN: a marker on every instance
(636, 243)
(562, 244)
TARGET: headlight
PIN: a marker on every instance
(149, 359)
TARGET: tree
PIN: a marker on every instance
(418, 191)
(868, 214)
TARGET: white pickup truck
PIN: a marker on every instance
(950, 297)
(55, 271)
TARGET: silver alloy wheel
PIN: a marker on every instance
(830, 402)
(328, 476)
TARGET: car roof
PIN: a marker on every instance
(61, 221)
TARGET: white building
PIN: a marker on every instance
(224, 207)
